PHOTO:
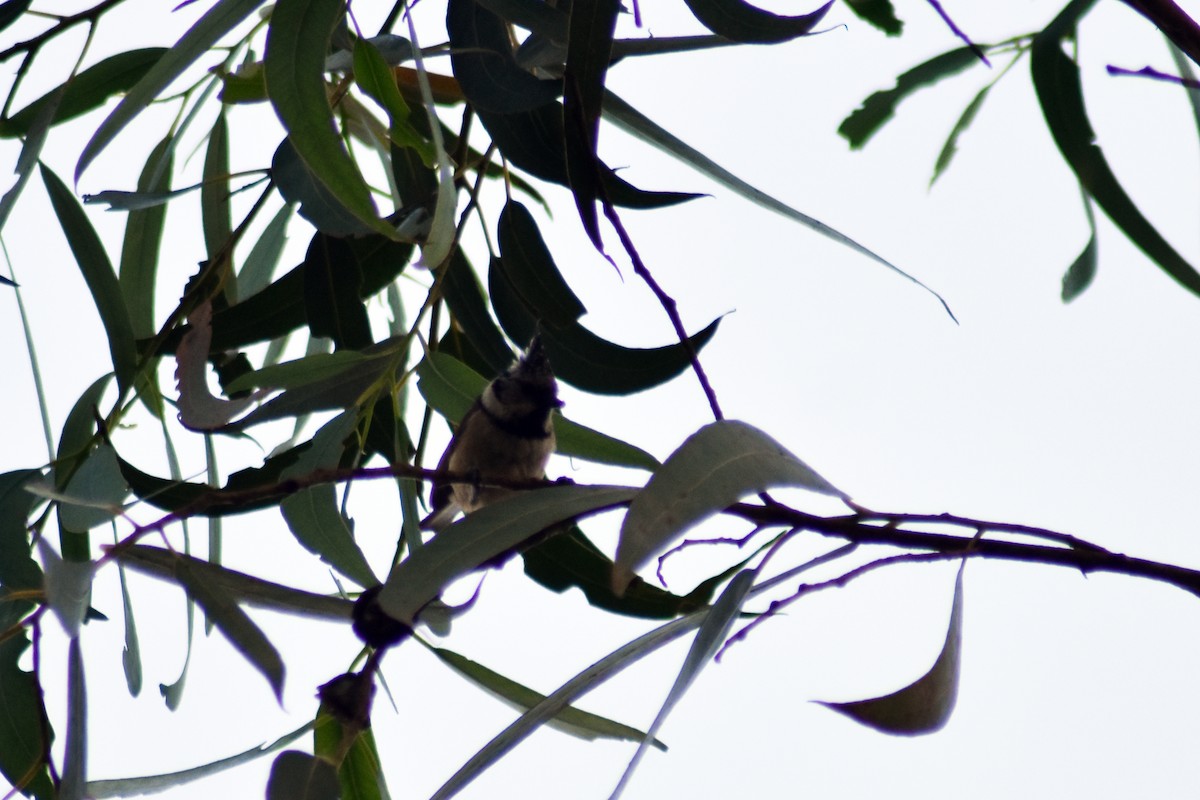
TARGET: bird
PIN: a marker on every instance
(506, 435)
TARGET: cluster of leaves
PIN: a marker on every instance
(532, 74)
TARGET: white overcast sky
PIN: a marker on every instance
(1080, 418)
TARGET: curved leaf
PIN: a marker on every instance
(1056, 81)
(1082, 271)
(494, 529)
(468, 305)
(877, 109)
(294, 65)
(333, 294)
(742, 22)
(485, 65)
(719, 464)
(532, 271)
(207, 31)
(925, 705)
(964, 122)
(143, 238)
(583, 359)
(300, 776)
(98, 274)
(299, 184)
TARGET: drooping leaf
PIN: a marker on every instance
(1056, 81)
(583, 359)
(877, 109)
(79, 430)
(300, 776)
(68, 587)
(1082, 271)
(532, 271)
(260, 264)
(494, 529)
(374, 76)
(18, 570)
(246, 637)
(570, 560)
(925, 705)
(143, 238)
(299, 372)
(711, 470)
(25, 729)
(238, 586)
(98, 274)
(88, 90)
(468, 305)
(742, 22)
(450, 386)
(31, 152)
(361, 770)
(297, 42)
(215, 215)
(298, 183)
(131, 655)
(312, 514)
(208, 30)
(485, 66)
(333, 292)
(964, 122)
(707, 643)
(570, 720)
(879, 13)
(74, 773)
(133, 787)
(633, 121)
(199, 408)
(534, 141)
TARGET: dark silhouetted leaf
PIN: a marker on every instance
(11, 11)
(143, 237)
(299, 776)
(465, 298)
(98, 274)
(333, 292)
(879, 13)
(24, 725)
(1082, 271)
(299, 184)
(485, 66)
(215, 215)
(18, 570)
(532, 15)
(742, 22)
(964, 122)
(88, 90)
(1056, 81)
(96, 490)
(532, 271)
(494, 529)
(718, 465)
(877, 109)
(925, 705)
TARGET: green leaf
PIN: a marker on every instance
(707, 643)
(1056, 81)
(333, 294)
(24, 726)
(964, 122)
(925, 705)
(208, 30)
(98, 274)
(718, 465)
(18, 570)
(260, 265)
(468, 304)
(31, 151)
(297, 42)
(96, 491)
(299, 184)
(239, 586)
(131, 655)
(742, 22)
(74, 774)
(451, 387)
(633, 121)
(143, 239)
(877, 109)
(299, 372)
(1082, 271)
(879, 13)
(361, 770)
(312, 514)
(494, 529)
(79, 430)
(87, 91)
(132, 787)
(570, 720)
(299, 776)
(215, 215)
(374, 76)
(532, 271)
(246, 637)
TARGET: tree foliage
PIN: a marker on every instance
(395, 317)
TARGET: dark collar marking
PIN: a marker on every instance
(530, 426)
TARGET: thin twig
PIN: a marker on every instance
(957, 31)
(1151, 72)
